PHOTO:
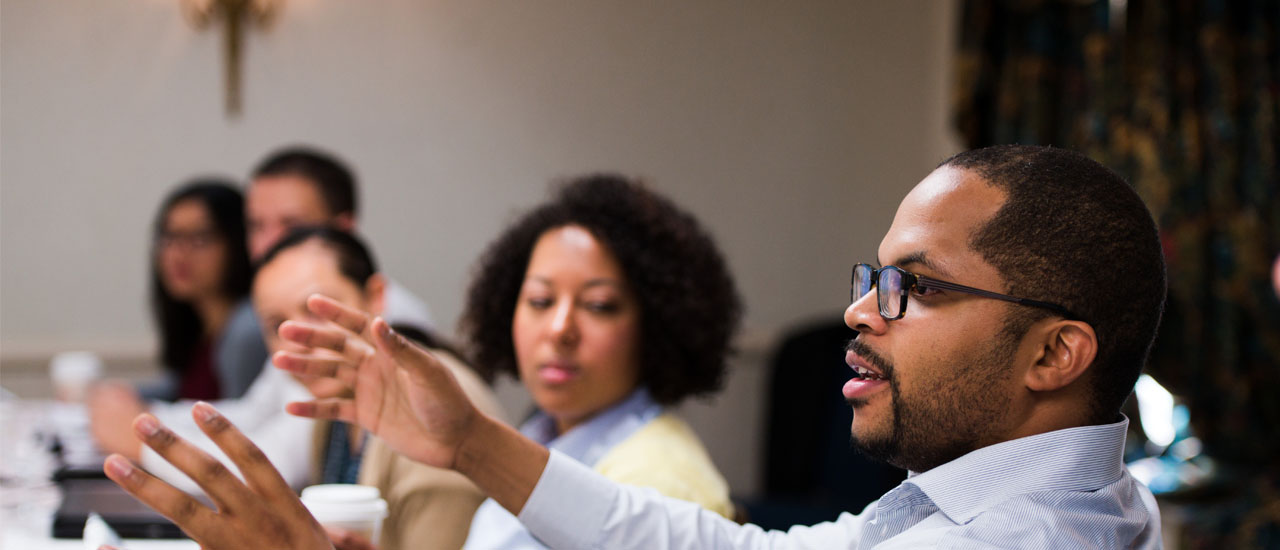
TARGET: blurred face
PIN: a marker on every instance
(280, 292)
(276, 204)
(576, 328)
(947, 366)
(190, 254)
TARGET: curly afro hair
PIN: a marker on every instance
(688, 302)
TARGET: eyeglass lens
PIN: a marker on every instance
(888, 286)
(861, 282)
(889, 292)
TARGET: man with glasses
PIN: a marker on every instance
(1019, 294)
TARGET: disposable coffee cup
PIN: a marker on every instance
(356, 508)
(72, 373)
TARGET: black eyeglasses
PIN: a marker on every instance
(893, 285)
(190, 240)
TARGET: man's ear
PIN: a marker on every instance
(345, 221)
(375, 294)
(1066, 351)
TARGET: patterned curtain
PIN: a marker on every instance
(1182, 97)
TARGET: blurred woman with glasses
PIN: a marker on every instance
(199, 286)
(210, 342)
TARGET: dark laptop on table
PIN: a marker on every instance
(129, 518)
(85, 488)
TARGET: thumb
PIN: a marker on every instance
(387, 339)
(404, 353)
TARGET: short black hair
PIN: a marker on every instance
(179, 324)
(333, 180)
(689, 306)
(356, 263)
(1074, 233)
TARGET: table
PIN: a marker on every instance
(28, 499)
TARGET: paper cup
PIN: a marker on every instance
(72, 373)
(357, 508)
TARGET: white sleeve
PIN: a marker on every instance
(260, 415)
(575, 507)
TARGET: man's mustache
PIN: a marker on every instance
(870, 356)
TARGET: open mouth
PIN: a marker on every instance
(865, 373)
(867, 379)
(861, 360)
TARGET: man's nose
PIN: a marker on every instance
(863, 315)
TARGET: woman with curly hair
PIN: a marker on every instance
(611, 305)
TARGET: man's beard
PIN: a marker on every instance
(884, 449)
(938, 423)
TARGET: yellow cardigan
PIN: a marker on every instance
(666, 455)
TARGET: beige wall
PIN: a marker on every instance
(790, 128)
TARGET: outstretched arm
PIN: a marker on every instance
(410, 400)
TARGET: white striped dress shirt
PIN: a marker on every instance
(1061, 489)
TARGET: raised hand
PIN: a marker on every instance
(410, 400)
(401, 392)
(260, 512)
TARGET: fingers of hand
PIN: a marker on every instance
(349, 318)
(189, 514)
(418, 362)
(210, 474)
(327, 339)
(325, 409)
(252, 462)
(314, 336)
(347, 540)
(313, 365)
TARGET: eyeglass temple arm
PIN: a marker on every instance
(988, 294)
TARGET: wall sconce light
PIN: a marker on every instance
(234, 15)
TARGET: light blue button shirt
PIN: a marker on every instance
(494, 528)
(1064, 489)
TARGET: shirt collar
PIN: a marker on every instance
(1085, 458)
(589, 441)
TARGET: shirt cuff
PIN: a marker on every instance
(569, 504)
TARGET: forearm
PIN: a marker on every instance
(503, 463)
(578, 508)
(575, 507)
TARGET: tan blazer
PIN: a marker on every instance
(428, 507)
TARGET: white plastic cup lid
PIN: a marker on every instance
(340, 502)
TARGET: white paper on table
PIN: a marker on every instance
(98, 533)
